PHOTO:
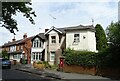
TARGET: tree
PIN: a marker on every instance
(5, 54)
(11, 8)
(101, 39)
(113, 35)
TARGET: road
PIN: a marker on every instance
(13, 75)
(16, 75)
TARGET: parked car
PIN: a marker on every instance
(6, 63)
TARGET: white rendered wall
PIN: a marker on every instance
(89, 43)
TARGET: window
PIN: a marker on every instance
(33, 56)
(40, 56)
(84, 37)
(34, 43)
(52, 56)
(76, 38)
(18, 48)
(21, 47)
(37, 56)
(37, 43)
(12, 48)
(53, 39)
(18, 56)
(40, 43)
(15, 56)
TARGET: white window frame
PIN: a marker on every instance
(52, 55)
(33, 57)
(15, 56)
(76, 38)
(36, 55)
(53, 41)
(37, 43)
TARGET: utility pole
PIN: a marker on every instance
(119, 11)
(53, 19)
(93, 22)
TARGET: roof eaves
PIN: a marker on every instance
(79, 27)
(53, 28)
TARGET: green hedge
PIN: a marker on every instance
(109, 59)
(85, 58)
(101, 59)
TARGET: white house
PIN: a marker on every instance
(81, 38)
(55, 44)
(76, 37)
(38, 48)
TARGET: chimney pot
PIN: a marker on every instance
(46, 30)
(13, 40)
(25, 36)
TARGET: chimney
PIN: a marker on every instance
(8, 41)
(13, 40)
(46, 30)
(25, 36)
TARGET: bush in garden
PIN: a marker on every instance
(85, 58)
(47, 65)
(103, 58)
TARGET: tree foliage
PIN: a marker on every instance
(101, 39)
(11, 8)
(5, 54)
(113, 35)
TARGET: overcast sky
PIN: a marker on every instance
(67, 13)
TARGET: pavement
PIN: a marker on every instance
(55, 74)
(30, 69)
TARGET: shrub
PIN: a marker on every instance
(85, 58)
(24, 61)
(47, 65)
(39, 62)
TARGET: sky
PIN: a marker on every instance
(67, 13)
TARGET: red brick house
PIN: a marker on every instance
(18, 49)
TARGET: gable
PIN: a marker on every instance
(36, 38)
(51, 30)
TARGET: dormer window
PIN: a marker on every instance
(37, 43)
(53, 39)
(76, 38)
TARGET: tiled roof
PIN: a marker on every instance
(80, 27)
(24, 40)
(41, 35)
(76, 28)
(11, 43)
(17, 42)
(61, 29)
